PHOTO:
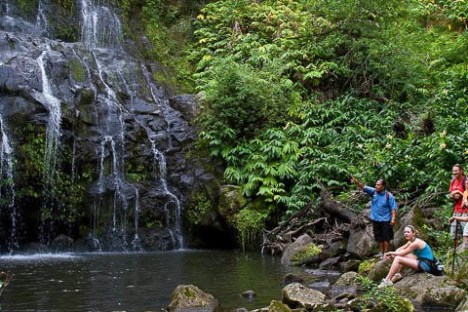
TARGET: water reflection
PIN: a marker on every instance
(137, 281)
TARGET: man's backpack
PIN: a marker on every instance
(387, 196)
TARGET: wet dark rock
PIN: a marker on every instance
(62, 243)
(322, 273)
(334, 249)
(249, 294)
(330, 262)
(291, 278)
(322, 285)
(350, 265)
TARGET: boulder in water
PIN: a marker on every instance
(300, 251)
(193, 299)
(249, 294)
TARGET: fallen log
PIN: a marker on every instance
(334, 208)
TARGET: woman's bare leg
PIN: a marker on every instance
(399, 262)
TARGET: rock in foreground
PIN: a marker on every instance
(427, 289)
(193, 299)
(299, 296)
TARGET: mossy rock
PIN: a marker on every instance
(231, 200)
(278, 306)
(366, 266)
(380, 270)
(383, 300)
(303, 255)
(192, 298)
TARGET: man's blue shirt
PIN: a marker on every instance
(381, 208)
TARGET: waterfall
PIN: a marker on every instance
(53, 124)
(41, 19)
(4, 8)
(100, 27)
(7, 193)
(136, 238)
(160, 173)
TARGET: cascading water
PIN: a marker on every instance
(41, 19)
(53, 134)
(173, 218)
(100, 27)
(53, 124)
(7, 193)
(174, 223)
(136, 239)
(101, 30)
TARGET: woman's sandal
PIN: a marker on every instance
(396, 277)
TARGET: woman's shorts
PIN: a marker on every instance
(461, 229)
(423, 266)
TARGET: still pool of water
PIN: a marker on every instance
(137, 281)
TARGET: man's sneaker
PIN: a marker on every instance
(385, 283)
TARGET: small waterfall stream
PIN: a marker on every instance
(41, 19)
(54, 120)
(7, 192)
(173, 218)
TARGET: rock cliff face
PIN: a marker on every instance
(91, 146)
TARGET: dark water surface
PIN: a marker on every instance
(137, 281)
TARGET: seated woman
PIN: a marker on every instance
(414, 254)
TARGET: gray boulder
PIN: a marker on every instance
(193, 299)
(427, 289)
(299, 296)
(361, 241)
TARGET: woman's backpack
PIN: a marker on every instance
(436, 267)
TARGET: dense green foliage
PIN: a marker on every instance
(309, 92)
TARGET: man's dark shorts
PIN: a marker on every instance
(383, 231)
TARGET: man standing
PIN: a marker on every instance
(383, 212)
(456, 190)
